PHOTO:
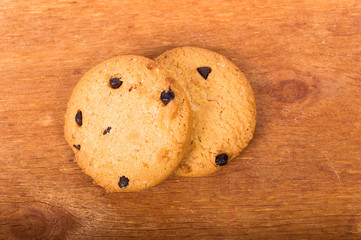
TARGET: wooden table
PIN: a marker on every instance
(300, 178)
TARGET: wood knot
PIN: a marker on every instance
(29, 224)
(40, 222)
(290, 91)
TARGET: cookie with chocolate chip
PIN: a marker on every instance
(128, 123)
(223, 106)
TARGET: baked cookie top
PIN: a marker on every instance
(128, 123)
(223, 105)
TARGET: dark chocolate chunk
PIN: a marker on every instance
(115, 82)
(77, 146)
(79, 118)
(166, 97)
(204, 71)
(107, 130)
(222, 159)
(123, 182)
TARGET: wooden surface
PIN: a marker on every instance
(300, 178)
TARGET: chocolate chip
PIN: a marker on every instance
(115, 82)
(123, 182)
(79, 118)
(166, 97)
(204, 71)
(222, 159)
(77, 146)
(107, 130)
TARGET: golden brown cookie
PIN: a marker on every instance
(223, 105)
(128, 123)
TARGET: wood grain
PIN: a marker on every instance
(298, 179)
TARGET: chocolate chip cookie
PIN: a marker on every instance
(223, 106)
(128, 123)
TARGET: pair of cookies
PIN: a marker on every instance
(132, 121)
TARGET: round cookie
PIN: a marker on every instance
(223, 106)
(128, 123)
